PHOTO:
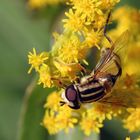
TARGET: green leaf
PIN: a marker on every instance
(32, 114)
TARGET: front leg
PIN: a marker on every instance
(59, 82)
(105, 29)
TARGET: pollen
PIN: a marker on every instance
(35, 60)
(53, 101)
(93, 38)
(73, 23)
(45, 76)
(67, 119)
(90, 7)
(90, 124)
(49, 122)
(132, 122)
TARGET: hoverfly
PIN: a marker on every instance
(101, 80)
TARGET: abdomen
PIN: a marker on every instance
(90, 92)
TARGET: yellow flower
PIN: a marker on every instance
(69, 51)
(64, 119)
(49, 122)
(73, 23)
(88, 9)
(56, 121)
(53, 101)
(100, 21)
(36, 60)
(89, 123)
(132, 122)
(66, 69)
(93, 38)
(109, 3)
(71, 47)
(45, 76)
(102, 111)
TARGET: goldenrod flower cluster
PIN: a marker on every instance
(58, 118)
(83, 29)
(127, 91)
(91, 119)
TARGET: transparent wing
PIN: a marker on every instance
(124, 97)
(121, 42)
(107, 63)
(111, 67)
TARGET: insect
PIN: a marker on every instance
(101, 80)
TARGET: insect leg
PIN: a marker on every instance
(59, 82)
(119, 69)
(76, 80)
(84, 71)
(105, 29)
(73, 65)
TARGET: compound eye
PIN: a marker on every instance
(71, 93)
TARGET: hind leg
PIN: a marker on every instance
(105, 29)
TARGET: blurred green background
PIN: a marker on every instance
(20, 30)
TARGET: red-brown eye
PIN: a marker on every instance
(71, 93)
